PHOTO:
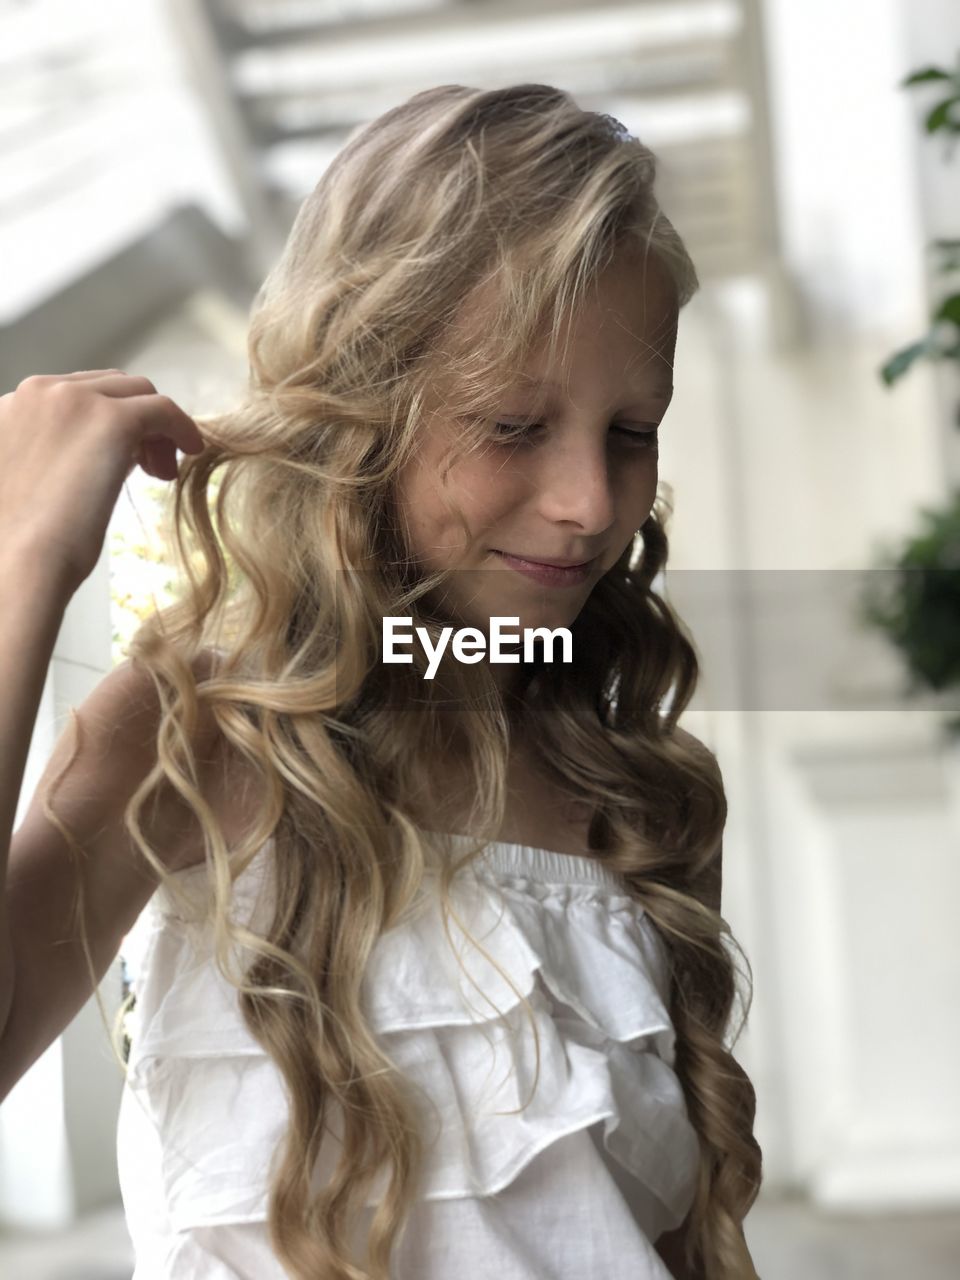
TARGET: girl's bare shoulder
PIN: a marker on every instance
(122, 717)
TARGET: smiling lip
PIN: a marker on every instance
(548, 575)
(554, 564)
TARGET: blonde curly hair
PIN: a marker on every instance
(291, 574)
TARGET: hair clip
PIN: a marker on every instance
(620, 130)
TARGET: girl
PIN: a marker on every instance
(434, 979)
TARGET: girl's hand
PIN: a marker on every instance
(67, 444)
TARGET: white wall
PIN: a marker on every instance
(841, 860)
(840, 851)
(58, 1123)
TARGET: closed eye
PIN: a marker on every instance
(643, 436)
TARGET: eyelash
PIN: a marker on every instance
(519, 433)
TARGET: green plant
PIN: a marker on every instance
(916, 603)
(942, 339)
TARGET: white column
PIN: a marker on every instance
(58, 1123)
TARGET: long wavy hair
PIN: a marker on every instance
(520, 192)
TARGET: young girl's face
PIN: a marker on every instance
(578, 484)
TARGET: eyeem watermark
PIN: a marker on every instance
(470, 643)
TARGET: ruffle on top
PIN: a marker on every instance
(580, 949)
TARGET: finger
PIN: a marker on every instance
(156, 458)
(163, 417)
(108, 381)
(162, 457)
(78, 375)
(120, 384)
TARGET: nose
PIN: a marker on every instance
(576, 484)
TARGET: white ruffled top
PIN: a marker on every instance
(578, 1184)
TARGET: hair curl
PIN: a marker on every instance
(520, 193)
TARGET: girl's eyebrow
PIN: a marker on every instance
(662, 391)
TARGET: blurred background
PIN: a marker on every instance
(152, 156)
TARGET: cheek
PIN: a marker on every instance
(642, 474)
(416, 501)
(433, 529)
(635, 496)
(494, 483)
(484, 489)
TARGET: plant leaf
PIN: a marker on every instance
(949, 309)
(924, 76)
(901, 360)
(939, 117)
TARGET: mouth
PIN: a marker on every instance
(548, 575)
(548, 564)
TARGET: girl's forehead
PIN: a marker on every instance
(633, 267)
(634, 294)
